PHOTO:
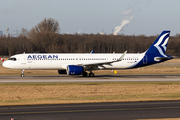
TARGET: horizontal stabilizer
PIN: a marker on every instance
(162, 58)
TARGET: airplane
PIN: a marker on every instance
(80, 63)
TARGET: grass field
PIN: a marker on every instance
(59, 93)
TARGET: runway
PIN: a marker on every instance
(94, 111)
(98, 78)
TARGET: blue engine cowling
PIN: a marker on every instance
(74, 70)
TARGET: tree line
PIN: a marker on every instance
(45, 37)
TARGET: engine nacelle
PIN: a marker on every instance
(62, 72)
(74, 70)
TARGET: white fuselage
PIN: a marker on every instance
(61, 61)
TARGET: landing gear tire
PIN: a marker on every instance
(22, 75)
(91, 74)
(84, 74)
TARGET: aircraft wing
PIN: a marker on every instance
(103, 63)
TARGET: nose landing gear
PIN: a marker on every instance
(22, 75)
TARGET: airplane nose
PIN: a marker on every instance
(8, 64)
(5, 64)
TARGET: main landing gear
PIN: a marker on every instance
(85, 74)
(91, 74)
(22, 75)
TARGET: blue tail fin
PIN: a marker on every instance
(159, 46)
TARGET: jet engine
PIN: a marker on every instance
(62, 72)
(74, 70)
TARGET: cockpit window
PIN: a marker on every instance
(13, 59)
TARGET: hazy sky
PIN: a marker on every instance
(149, 17)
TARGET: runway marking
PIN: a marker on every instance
(94, 110)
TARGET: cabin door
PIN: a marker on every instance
(23, 59)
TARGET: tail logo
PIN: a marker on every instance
(162, 43)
